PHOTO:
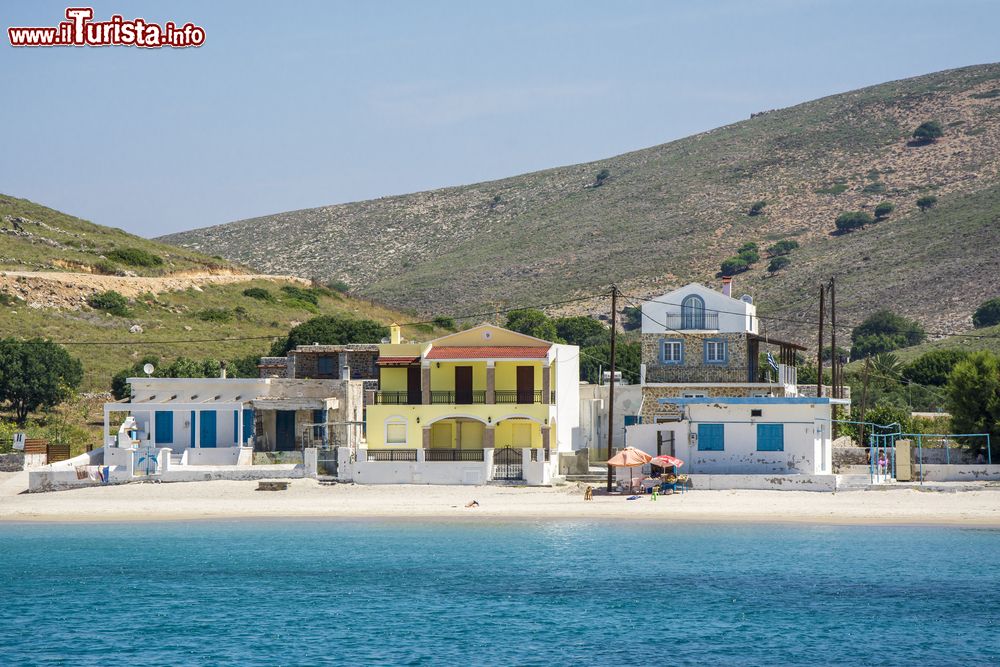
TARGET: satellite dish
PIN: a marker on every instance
(746, 298)
(385, 341)
(148, 369)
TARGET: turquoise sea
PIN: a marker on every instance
(547, 593)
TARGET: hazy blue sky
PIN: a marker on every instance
(298, 104)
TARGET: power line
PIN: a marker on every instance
(540, 306)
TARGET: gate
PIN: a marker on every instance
(507, 464)
(326, 463)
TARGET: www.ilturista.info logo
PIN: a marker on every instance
(80, 30)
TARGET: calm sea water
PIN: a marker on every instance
(552, 593)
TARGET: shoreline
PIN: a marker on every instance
(307, 500)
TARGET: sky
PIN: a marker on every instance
(299, 104)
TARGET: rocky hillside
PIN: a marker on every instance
(659, 217)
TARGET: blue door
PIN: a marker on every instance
(284, 436)
(164, 432)
(711, 437)
(206, 428)
(248, 421)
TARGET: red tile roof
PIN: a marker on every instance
(397, 361)
(486, 352)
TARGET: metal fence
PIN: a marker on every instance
(391, 455)
(453, 455)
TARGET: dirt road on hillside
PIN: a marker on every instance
(45, 289)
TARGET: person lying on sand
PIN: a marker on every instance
(472, 503)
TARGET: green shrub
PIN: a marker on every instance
(215, 315)
(306, 294)
(834, 189)
(853, 220)
(884, 209)
(105, 268)
(424, 328)
(928, 132)
(782, 248)
(757, 207)
(933, 367)
(110, 301)
(442, 322)
(734, 265)
(778, 263)
(873, 189)
(134, 257)
(331, 330)
(602, 176)
(987, 314)
(926, 202)
(339, 286)
(6, 299)
(259, 293)
(884, 331)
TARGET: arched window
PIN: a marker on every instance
(693, 312)
(395, 431)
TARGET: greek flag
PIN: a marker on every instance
(771, 362)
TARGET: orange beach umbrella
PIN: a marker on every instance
(630, 457)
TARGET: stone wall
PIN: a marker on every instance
(13, 462)
(362, 362)
(693, 367)
(650, 394)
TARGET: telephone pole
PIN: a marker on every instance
(834, 357)
(864, 400)
(611, 383)
(819, 352)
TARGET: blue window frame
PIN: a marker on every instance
(693, 312)
(324, 366)
(711, 437)
(193, 424)
(770, 437)
(248, 423)
(716, 351)
(671, 351)
(164, 434)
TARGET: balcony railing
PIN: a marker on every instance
(508, 396)
(692, 322)
(458, 397)
(453, 455)
(391, 455)
(397, 398)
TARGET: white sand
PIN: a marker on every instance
(306, 498)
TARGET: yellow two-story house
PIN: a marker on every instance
(483, 394)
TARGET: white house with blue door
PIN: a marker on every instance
(784, 435)
(271, 414)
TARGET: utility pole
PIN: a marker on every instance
(834, 357)
(611, 384)
(819, 352)
(864, 401)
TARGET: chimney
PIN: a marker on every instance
(394, 334)
(222, 370)
(727, 286)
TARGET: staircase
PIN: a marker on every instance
(596, 474)
(853, 477)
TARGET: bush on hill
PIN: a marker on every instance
(987, 314)
(852, 220)
(778, 263)
(927, 202)
(757, 207)
(782, 248)
(928, 132)
(259, 293)
(134, 257)
(331, 330)
(883, 210)
(884, 331)
(110, 302)
(734, 265)
(933, 367)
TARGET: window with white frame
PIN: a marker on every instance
(694, 394)
(715, 351)
(672, 351)
(395, 431)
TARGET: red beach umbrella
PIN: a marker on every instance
(664, 461)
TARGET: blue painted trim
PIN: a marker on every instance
(770, 437)
(663, 352)
(236, 427)
(693, 312)
(751, 400)
(711, 438)
(248, 424)
(725, 351)
(193, 424)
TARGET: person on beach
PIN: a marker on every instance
(883, 464)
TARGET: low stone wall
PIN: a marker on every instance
(13, 462)
(958, 473)
(765, 482)
(849, 456)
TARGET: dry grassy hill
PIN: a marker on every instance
(669, 214)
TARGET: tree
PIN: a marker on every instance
(852, 220)
(631, 318)
(443, 322)
(757, 207)
(934, 367)
(628, 356)
(973, 391)
(778, 263)
(885, 366)
(734, 265)
(927, 202)
(884, 331)
(532, 322)
(928, 132)
(749, 255)
(331, 330)
(36, 374)
(581, 330)
(987, 314)
(884, 209)
(782, 248)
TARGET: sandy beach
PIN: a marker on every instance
(306, 498)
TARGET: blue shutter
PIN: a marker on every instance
(207, 428)
(193, 423)
(248, 423)
(164, 434)
(770, 437)
(711, 437)
(236, 427)
(631, 420)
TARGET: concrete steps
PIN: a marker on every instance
(859, 481)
